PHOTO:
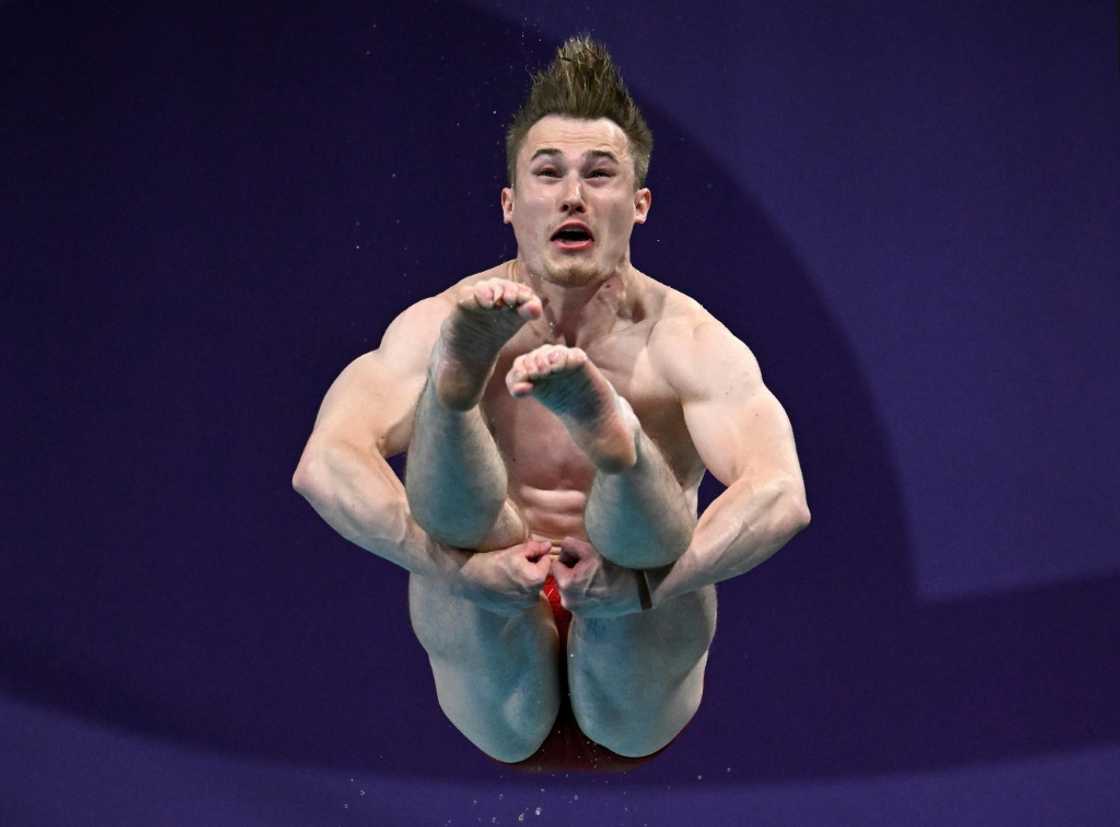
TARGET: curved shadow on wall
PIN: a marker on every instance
(208, 240)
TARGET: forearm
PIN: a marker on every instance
(742, 527)
(360, 497)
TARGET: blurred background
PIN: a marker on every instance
(909, 211)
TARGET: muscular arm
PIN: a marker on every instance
(744, 438)
(365, 417)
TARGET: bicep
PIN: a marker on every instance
(738, 426)
(372, 402)
(369, 406)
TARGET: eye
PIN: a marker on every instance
(548, 172)
(601, 173)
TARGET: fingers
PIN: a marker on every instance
(564, 576)
(575, 557)
(535, 549)
(535, 564)
(576, 548)
(568, 558)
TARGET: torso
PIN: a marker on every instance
(549, 477)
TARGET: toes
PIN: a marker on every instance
(517, 380)
(531, 368)
(478, 296)
(489, 294)
(546, 360)
(550, 358)
(527, 366)
(508, 293)
(574, 357)
(530, 306)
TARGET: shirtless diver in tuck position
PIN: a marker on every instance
(559, 411)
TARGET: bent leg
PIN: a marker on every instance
(455, 477)
(636, 680)
(497, 677)
(639, 518)
(637, 515)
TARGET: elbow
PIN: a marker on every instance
(307, 480)
(301, 479)
(801, 516)
(797, 516)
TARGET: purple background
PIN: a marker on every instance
(910, 212)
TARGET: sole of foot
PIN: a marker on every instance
(565, 381)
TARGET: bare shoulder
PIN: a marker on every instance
(372, 401)
(695, 351)
(410, 337)
(498, 271)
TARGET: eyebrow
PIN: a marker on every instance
(591, 154)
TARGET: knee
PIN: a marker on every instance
(511, 750)
(505, 738)
(633, 737)
(457, 520)
(636, 724)
(635, 730)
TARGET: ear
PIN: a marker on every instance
(643, 198)
(507, 205)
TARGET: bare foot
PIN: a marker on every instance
(487, 315)
(566, 382)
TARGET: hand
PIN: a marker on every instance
(592, 586)
(506, 581)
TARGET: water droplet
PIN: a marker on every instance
(537, 811)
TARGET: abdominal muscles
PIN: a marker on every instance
(554, 514)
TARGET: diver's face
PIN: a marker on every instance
(574, 204)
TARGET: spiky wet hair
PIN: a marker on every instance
(582, 82)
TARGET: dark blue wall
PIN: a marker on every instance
(910, 212)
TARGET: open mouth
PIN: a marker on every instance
(572, 237)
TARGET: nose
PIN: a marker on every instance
(572, 197)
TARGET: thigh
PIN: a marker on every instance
(636, 680)
(497, 677)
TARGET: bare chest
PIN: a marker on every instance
(539, 454)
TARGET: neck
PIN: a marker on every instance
(584, 312)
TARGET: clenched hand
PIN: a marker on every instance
(506, 581)
(592, 586)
